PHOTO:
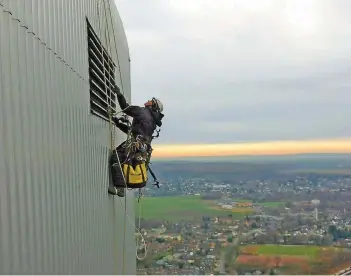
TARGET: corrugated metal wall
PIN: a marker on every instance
(56, 216)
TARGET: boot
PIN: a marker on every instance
(120, 192)
(112, 190)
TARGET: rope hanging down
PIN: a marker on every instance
(108, 42)
(140, 194)
(112, 143)
(111, 132)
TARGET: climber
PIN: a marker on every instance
(145, 121)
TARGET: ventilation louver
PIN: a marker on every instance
(101, 77)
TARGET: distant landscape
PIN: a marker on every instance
(256, 215)
(323, 157)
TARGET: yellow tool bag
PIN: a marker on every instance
(135, 174)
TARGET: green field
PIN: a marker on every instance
(185, 207)
(178, 207)
(291, 250)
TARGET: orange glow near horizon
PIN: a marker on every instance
(258, 148)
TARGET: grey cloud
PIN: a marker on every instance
(266, 122)
(244, 71)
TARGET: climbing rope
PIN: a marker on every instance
(126, 216)
(108, 42)
(111, 131)
(128, 138)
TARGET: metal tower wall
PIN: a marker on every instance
(55, 214)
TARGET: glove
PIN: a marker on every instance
(115, 119)
(124, 120)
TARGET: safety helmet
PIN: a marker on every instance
(157, 104)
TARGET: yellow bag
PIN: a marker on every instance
(135, 177)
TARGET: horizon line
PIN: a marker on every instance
(270, 148)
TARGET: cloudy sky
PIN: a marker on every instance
(243, 70)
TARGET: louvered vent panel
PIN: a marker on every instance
(101, 76)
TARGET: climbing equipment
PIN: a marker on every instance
(126, 216)
(157, 184)
(138, 155)
(111, 129)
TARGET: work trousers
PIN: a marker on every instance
(115, 166)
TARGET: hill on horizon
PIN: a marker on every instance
(254, 158)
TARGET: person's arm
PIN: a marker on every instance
(123, 127)
(130, 110)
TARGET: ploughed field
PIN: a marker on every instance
(294, 259)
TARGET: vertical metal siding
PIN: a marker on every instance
(4, 230)
(56, 216)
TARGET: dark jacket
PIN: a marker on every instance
(145, 120)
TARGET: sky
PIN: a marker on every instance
(234, 71)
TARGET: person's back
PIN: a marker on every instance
(145, 123)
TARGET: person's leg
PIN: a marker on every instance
(116, 172)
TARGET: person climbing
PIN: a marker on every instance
(145, 121)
